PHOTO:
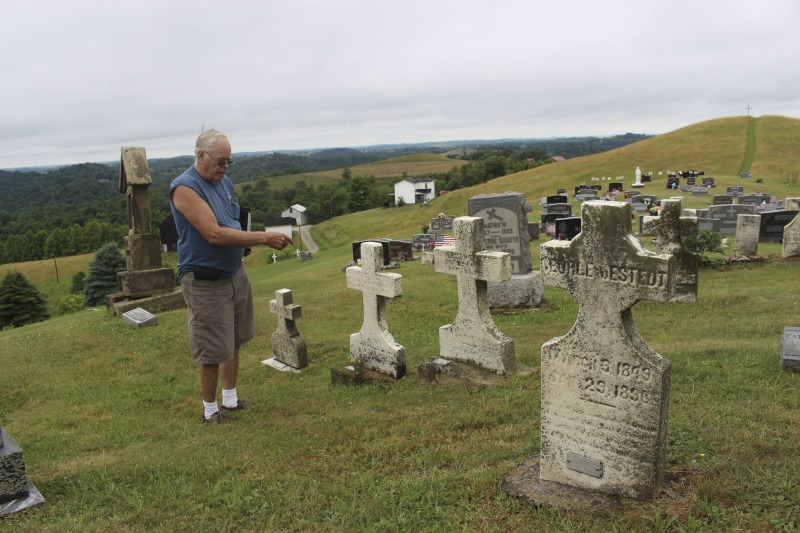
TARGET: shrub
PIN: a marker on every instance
(20, 302)
(102, 278)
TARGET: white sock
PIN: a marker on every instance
(210, 408)
(229, 398)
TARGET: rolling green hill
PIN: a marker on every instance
(717, 147)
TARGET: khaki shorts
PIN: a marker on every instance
(220, 316)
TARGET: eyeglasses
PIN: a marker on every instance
(221, 161)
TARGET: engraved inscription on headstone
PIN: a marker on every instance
(772, 224)
(605, 392)
(139, 317)
(505, 226)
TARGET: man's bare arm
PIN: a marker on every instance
(199, 215)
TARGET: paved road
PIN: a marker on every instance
(308, 242)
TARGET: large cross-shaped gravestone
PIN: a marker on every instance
(605, 392)
(288, 346)
(670, 229)
(374, 346)
(473, 337)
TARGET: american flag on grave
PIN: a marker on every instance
(444, 240)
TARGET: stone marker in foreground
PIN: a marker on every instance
(790, 348)
(140, 318)
(16, 492)
(791, 238)
(473, 337)
(288, 347)
(605, 392)
(374, 346)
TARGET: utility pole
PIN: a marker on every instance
(748, 109)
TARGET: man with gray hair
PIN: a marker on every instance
(214, 282)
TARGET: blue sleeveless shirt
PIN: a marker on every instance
(193, 249)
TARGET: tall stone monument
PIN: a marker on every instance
(605, 392)
(144, 283)
(374, 346)
(505, 229)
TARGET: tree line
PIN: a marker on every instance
(76, 208)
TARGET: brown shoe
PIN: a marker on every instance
(216, 418)
(241, 405)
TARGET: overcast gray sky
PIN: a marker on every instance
(79, 79)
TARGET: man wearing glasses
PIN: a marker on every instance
(214, 282)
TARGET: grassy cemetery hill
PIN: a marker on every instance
(108, 415)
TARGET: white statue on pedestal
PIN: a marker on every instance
(638, 178)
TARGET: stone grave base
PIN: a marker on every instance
(278, 365)
(33, 499)
(521, 291)
(350, 375)
(523, 482)
(117, 304)
(441, 371)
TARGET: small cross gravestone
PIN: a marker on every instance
(473, 337)
(605, 392)
(670, 228)
(374, 346)
(288, 347)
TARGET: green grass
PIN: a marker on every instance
(108, 415)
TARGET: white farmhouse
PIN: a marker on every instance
(414, 190)
(298, 213)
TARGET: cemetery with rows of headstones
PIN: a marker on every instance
(506, 361)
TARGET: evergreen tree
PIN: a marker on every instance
(20, 302)
(78, 283)
(102, 278)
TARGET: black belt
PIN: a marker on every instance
(209, 274)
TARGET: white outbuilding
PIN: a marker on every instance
(414, 190)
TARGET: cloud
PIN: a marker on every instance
(83, 78)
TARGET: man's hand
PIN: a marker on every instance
(277, 240)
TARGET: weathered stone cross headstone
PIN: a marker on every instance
(670, 228)
(605, 392)
(288, 346)
(473, 337)
(374, 345)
